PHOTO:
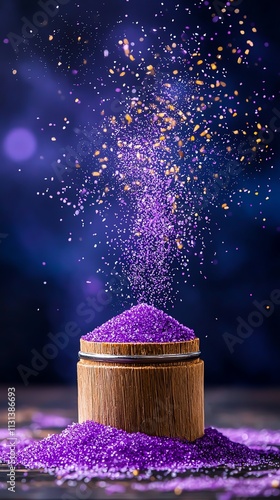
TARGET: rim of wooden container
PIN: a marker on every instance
(137, 348)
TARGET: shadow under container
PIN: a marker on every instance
(154, 388)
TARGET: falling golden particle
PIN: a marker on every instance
(259, 126)
(126, 42)
(175, 72)
(77, 165)
(242, 32)
(180, 143)
(249, 42)
(128, 118)
(254, 30)
(213, 66)
(96, 153)
(181, 154)
(131, 57)
(275, 483)
(199, 82)
(235, 92)
(236, 132)
(220, 48)
(77, 100)
(95, 174)
(111, 71)
(122, 73)
(106, 189)
(174, 45)
(196, 128)
(50, 38)
(203, 133)
(242, 158)
(135, 473)
(199, 62)
(126, 187)
(192, 138)
(234, 51)
(247, 51)
(239, 60)
(103, 166)
(120, 42)
(14, 71)
(225, 206)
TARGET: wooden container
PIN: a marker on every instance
(155, 388)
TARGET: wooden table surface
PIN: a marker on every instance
(224, 407)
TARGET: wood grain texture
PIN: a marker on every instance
(158, 399)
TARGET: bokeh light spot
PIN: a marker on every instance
(19, 144)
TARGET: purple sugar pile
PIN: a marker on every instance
(94, 450)
(141, 323)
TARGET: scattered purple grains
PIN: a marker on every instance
(95, 450)
(105, 450)
(141, 323)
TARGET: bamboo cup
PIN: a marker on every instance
(155, 388)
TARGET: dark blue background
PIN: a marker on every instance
(30, 309)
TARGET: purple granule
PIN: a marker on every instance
(95, 450)
(140, 324)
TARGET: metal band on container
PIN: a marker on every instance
(140, 358)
